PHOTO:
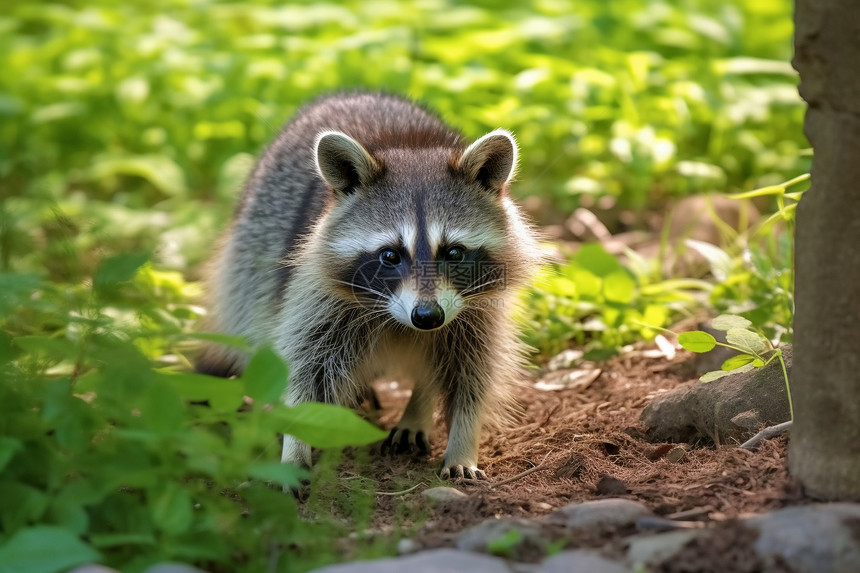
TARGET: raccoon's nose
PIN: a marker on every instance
(428, 315)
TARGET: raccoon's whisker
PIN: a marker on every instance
(480, 282)
(473, 289)
(364, 288)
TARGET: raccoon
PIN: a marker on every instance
(372, 240)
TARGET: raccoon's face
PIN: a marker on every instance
(416, 234)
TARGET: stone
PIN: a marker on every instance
(479, 537)
(443, 494)
(599, 514)
(434, 561)
(656, 548)
(706, 410)
(580, 560)
(818, 538)
(93, 568)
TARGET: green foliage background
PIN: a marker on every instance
(126, 129)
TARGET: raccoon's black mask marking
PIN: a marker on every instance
(477, 273)
(371, 280)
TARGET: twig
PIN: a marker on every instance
(532, 470)
(400, 492)
(520, 475)
(766, 434)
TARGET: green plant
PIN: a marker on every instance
(754, 269)
(150, 105)
(596, 301)
(110, 452)
(505, 545)
(756, 350)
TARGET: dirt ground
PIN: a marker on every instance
(582, 444)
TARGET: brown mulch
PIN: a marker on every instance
(586, 444)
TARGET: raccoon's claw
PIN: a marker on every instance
(404, 441)
(457, 472)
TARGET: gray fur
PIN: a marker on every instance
(350, 176)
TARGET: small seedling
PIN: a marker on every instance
(504, 545)
(756, 349)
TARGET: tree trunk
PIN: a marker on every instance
(824, 454)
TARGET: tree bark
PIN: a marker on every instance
(824, 454)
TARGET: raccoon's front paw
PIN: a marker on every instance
(460, 471)
(406, 441)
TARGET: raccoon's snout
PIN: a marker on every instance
(428, 315)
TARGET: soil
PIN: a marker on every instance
(579, 445)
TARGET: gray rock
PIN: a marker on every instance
(599, 514)
(580, 561)
(406, 546)
(755, 398)
(479, 537)
(644, 549)
(435, 561)
(820, 538)
(172, 568)
(93, 568)
(443, 494)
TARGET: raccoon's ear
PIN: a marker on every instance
(491, 161)
(342, 161)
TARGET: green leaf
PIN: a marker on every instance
(44, 549)
(594, 258)
(737, 361)
(8, 448)
(585, 284)
(170, 507)
(68, 513)
(232, 341)
(162, 409)
(21, 505)
(697, 341)
(121, 539)
(115, 270)
(8, 352)
(16, 288)
(752, 342)
(328, 426)
(159, 170)
(223, 394)
(726, 322)
(265, 377)
(50, 346)
(289, 475)
(619, 287)
(713, 375)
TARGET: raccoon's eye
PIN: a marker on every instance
(455, 254)
(389, 257)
